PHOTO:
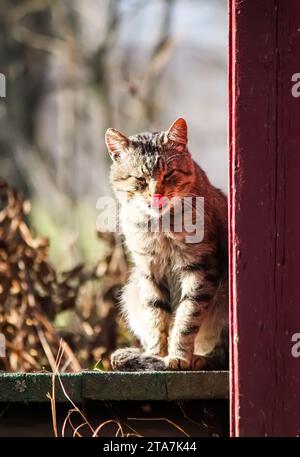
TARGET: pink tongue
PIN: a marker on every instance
(158, 201)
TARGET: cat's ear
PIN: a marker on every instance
(178, 131)
(116, 143)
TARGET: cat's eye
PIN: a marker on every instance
(139, 179)
(170, 174)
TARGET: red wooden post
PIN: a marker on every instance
(264, 212)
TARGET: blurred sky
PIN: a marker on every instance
(198, 22)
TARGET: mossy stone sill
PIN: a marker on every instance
(117, 386)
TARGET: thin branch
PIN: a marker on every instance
(158, 419)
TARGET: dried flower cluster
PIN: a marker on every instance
(33, 295)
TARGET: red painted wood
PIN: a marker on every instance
(264, 212)
(231, 77)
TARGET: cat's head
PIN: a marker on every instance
(150, 166)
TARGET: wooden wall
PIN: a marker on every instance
(264, 131)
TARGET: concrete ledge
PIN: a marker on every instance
(95, 385)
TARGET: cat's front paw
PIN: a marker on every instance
(124, 359)
(177, 363)
(198, 363)
(132, 359)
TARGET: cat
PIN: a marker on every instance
(176, 300)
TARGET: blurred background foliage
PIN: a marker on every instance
(76, 67)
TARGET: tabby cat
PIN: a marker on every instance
(176, 300)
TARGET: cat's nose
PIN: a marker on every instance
(158, 201)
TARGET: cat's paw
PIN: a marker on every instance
(177, 363)
(198, 363)
(123, 359)
(132, 359)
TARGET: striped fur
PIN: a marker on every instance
(176, 301)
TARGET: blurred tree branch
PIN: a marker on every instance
(54, 82)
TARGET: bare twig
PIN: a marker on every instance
(164, 419)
